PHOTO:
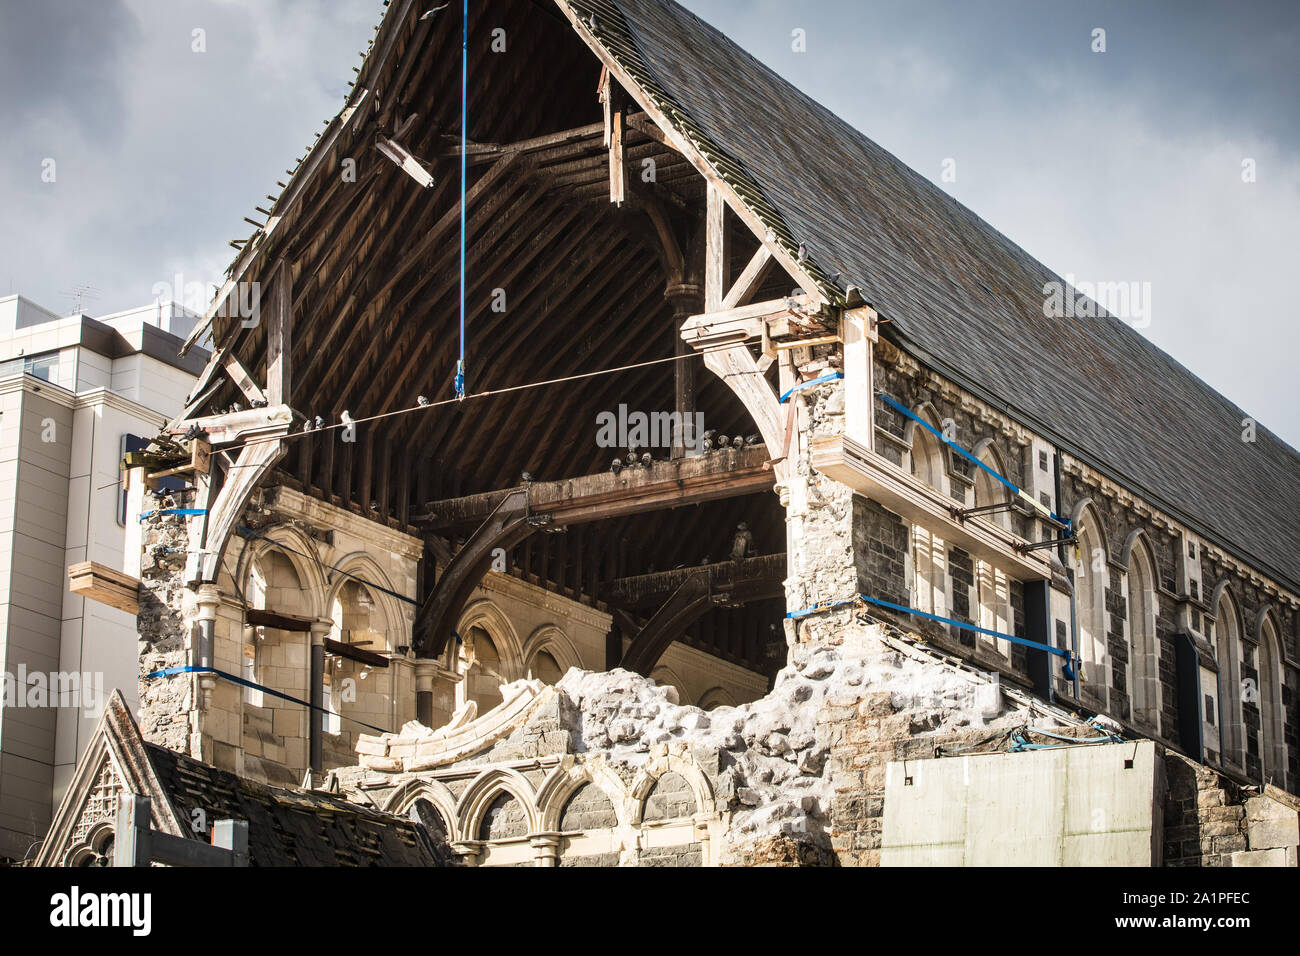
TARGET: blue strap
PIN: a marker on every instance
(818, 608)
(828, 377)
(173, 511)
(897, 406)
(172, 671)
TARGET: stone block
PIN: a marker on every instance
(1268, 834)
(1276, 857)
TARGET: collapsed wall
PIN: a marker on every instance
(606, 768)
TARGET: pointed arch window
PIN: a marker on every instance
(1144, 648)
(993, 588)
(1090, 579)
(1272, 743)
(1227, 651)
(929, 551)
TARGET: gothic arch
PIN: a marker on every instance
(1091, 578)
(551, 639)
(437, 793)
(1272, 718)
(561, 784)
(1227, 652)
(484, 789)
(478, 684)
(649, 775)
(927, 456)
(362, 569)
(987, 489)
(300, 551)
(1143, 606)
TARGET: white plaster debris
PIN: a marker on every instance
(780, 774)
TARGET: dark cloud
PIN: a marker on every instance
(64, 57)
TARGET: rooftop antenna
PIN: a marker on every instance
(83, 290)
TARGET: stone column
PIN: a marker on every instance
(546, 849)
(316, 682)
(425, 669)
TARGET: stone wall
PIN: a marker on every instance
(167, 638)
(1211, 821)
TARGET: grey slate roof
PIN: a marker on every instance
(964, 298)
(293, 827)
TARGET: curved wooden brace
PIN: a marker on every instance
(739, 370)
(505, 527)
(686, 606)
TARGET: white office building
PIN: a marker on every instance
(75, 392)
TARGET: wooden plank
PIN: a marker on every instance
(106, 585)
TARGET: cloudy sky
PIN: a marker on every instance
(1122, 165)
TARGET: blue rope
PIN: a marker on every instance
(818, 608)
(464, 146)
(828, 377)
(975, 461)
(172, 671)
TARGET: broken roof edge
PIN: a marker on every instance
(619, 51)
(310, 165)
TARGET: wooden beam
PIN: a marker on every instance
(506, 526)
(715, 250)
(353, 653)
(687, 148)
(691, 601)
(402, 157)
(259, 617)
(665, 484)
(749, 280)
(239, 375)
(279, 338)
(734, 582)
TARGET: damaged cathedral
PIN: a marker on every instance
(910, 574)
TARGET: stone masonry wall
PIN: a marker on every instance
(168, 710)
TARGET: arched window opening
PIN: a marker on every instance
(927, 454)
(1227, 649)
(545, 668)
(992, 585)
(1090, 579)
(1144, 648)
(481, 664)
(1272, 743)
